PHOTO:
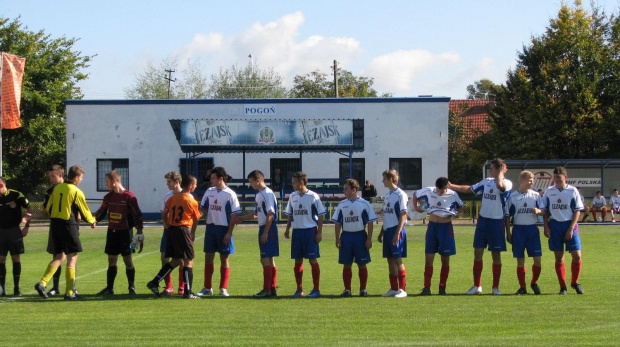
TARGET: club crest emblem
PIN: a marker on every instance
(439, 203)
(525, 204)
(350, 213)
(300, 206)
(559, 201)
(491, 191)
(215, 202)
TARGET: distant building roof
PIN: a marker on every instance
(473, 114)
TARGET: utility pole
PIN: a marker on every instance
(335, 78)
(169, 78)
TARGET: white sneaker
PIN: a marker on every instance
(400, 294)
(613, 220)
(205, 291)
(390, 293)
(474, 290)
(496, 291)
(224, 292)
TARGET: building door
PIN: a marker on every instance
(281, 172)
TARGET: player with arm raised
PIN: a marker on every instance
(305, 214)
(352, 216)
(614, 201)
(494, 190)
(562, 207)
(523, 207)
(441, 204)
(395, 245)
(267, 213)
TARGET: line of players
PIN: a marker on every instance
(599, 204)
(353, 216)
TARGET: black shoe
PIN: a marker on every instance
(41, 290)
(442, 291)
(17, 292)
(154, 287)
(53, 291)
(577, 288)
(425, 291)
(132, 291)
(2, 291)
(521, 291)
(535, 288)
(190, 295)
(562, 291)
(106, 291)
(71, 297)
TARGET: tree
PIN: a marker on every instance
(483, 89)
(153, 82)
(52, 72)
(316, 85)
(560, 101)
(248, 82)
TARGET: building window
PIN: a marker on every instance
(359, 169)
(409, 172)
(196, 166)
(281, 172)
(106, 165)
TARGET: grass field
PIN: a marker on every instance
(456, 319)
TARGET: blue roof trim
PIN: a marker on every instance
(256, 101)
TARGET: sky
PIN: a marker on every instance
(409, 48)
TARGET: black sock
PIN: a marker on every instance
(2, 275)
(131, 276)
(188, 277)
(17, 272)
(57, 277)
(165, 270)
(112, 270)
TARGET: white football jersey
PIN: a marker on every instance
(520, 206)
(440, 205)
(395, 203)
(614, 201)
(354, 215)
(599, 202)
(219, 205)
(304, 209)
(493, 200)
(266, 202)
(166, 197)
(561, 203)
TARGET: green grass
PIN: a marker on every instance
(548, 319)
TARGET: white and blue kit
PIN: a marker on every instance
(267, 203)
(439, 236)
(219, 206)
(599, 202)
(394, 205)
(525, 234)
(304, 210)
(353, 215)
(561, 204)
(490, 227)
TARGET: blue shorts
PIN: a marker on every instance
(558, 237)
(526, 237)
(303, 244)
(391, 251)
(164, 241)
(214, 240)
(353, 246)
(490, 232)
(271, 248)
(440, 239)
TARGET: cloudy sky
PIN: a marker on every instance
(410, 47)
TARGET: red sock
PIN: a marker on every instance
(181, 279)
(299, 274)
(521, 276)
(478, 273)
(393, 282)
(594, 215)
(575, 271)
(316, 275)
(347, 275)
(497, 273)
(604, 213)
(267, 276)
(363, 274)
(274, 278)
(535, 273)
(209, 269)
(224, 275)
(443, 277)
(428, 275)
(560, 270)
(402, 279)
(168, 281)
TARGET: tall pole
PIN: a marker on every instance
(251, 75)
(335, 78)
(169, 78)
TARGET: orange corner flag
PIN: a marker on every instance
(11, 85)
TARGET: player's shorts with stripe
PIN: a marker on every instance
(66, 236)
(490, 232)
(303, 244)
(353, 247)
(391, 251)
(118, 241)
(214, 240)
(179, 244)
(440, 239)
(11, 240)
(526, 237)
(163, 242)
(272, 247)
(557, 240)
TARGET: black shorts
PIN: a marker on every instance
(179, 244)
(118, 242)
(50, 242)
(65, 237)
(11, 240)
